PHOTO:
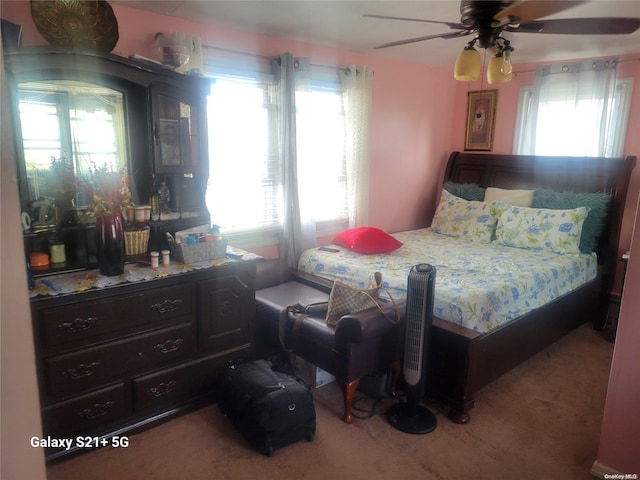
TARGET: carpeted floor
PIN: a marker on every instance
(539, 421)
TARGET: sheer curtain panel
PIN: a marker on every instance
(570, 110)
(357, 83)
(297, 235)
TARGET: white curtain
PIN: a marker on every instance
(357, 83)
(570, 110)
(299, 231)
(292, 75)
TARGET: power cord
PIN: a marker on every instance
(369, 412)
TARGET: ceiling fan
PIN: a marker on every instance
(487, 19)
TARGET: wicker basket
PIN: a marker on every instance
(136, 241)
(198, 252)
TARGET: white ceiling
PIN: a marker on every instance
(340, 24)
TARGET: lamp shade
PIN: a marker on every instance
(468, 65)
(494, 71)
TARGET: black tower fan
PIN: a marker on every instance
(409, 416)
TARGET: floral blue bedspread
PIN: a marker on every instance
(478, 286)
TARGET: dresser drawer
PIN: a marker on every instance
(108, 317)
(86, 413)
(89, 368)
(182, 382)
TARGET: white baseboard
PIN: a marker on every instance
(599, 471)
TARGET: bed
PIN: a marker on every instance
(497, 302)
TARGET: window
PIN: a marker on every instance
(244, 193)
(41, 130)
(566, 127)
(244, 180)
(321, 150)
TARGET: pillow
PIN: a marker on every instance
(457, 217)
(520, 198)
(367, 240)
(598, 203)
(540, 228)
(467, 191)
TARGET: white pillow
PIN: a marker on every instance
(540, 228)
(520, 198)
(461, 218)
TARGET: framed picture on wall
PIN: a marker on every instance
(481, 114)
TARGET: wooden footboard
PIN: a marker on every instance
(461, 363)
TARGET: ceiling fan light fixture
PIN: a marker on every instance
(468, 65)
(495, 72)
(500, 69)
(507, 67)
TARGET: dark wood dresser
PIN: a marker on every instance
(116, 359)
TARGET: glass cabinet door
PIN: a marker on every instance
(176, 131)
(73, 145)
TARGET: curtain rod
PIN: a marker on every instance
(619, 61)
(332, 67)
(237, 52)
(266, 57)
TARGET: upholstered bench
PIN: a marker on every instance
(359, 344)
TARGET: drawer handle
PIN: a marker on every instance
(166, 306)
(169, 346)
(83, 370)
(78, 324)
(162, 389)
(98, 410)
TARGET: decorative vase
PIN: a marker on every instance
(110, 246)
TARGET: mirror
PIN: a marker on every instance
(72, 133)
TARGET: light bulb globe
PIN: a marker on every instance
(468, 65)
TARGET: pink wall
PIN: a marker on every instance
(619, 445)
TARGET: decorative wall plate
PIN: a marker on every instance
(76, 23)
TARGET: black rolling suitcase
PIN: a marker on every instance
(271, 409)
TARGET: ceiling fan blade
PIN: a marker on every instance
(457, 26)
(580, 26)
(526, 11)
(428, 37)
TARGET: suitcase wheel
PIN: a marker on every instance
(268, 450)
(310, 436)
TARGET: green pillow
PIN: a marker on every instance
(598, 203)
(466, 191)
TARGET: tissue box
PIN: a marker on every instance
(198, 252)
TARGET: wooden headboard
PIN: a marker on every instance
(564, 174)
